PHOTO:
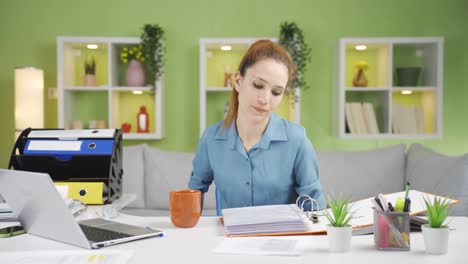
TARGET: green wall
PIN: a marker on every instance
(29, 28)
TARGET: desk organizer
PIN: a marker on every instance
(391, 230)
(73, 156)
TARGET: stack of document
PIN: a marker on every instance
(266, 219)
(5, 212)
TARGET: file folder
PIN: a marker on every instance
(86, 192)
(88, 155)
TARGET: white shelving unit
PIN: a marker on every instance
(213, 94)
(401, 111)
(110, 99)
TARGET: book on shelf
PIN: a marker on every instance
(407, 119)
(349, 119)
(281, 220)
(369, 117)
(361, 118)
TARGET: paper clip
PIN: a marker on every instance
(312, 214)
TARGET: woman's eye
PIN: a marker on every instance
(258, 86)
(277, 93)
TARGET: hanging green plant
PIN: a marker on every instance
(153, 47)
(292, 39)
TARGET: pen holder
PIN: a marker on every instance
(391, 230)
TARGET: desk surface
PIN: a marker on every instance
(181, 245)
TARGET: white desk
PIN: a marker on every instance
(195, 245)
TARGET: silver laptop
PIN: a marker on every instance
(41, 210)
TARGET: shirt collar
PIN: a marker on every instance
(275, 131)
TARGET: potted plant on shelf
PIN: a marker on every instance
(135, 74)
(436, 232)
(292, 39)
(89, 79)
(339, 231)
(154, 50)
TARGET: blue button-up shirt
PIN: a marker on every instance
(281, 166)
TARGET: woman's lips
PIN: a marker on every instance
(259, 109)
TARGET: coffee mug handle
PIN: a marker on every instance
(201, 202)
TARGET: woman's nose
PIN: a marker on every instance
(262, 98)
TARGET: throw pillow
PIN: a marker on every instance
(362, 174)
(166, 171)
(133, 174)
(439, 174)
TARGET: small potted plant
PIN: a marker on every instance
(339, 231)
(89, 79)
(436, 232)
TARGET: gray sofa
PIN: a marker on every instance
(151, 173)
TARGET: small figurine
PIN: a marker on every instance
(360, 79)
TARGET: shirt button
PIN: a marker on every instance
(247, 183)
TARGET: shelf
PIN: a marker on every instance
(140, 136)
(366, 89)
(218, 89)
(86, 88)
(133, 88)
(400, 103)
(110, 100)
(412, 88)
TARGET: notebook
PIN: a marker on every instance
(281, 220)
(40, 209)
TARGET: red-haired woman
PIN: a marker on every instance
(254, 156)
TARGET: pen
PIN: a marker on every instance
(406, 207)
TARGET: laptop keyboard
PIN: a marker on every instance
(96, 234)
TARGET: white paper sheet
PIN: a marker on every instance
(67, 257)
(259, 246)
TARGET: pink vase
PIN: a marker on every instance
(135, 75)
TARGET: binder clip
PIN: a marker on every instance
(312, 215)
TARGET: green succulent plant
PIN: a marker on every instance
(437, 211)
(340, 211)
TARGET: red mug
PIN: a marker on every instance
(185, 207)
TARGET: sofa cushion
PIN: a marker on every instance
(170, 170)
(361, 174)
(439, 174)
(165, 171)
(133, 174)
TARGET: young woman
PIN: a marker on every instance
(254, 156)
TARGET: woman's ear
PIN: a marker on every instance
(237, 81)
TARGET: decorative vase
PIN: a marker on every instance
(408, 76)
(135, 75)
(360, 79)
(339, 238)
(89, 80)
(435, 239)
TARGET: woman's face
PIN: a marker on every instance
(261, 89)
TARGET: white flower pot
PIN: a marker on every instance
(339, 238)
(435, 239)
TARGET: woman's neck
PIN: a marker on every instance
(250, 132)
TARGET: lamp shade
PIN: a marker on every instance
(29, 98)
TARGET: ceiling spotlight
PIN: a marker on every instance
(226, 48)
(92, 46)
(137, 92)
(406, 92)
(360, 47)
